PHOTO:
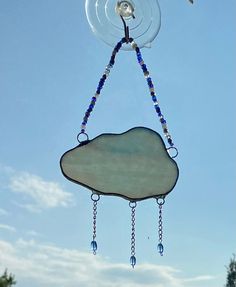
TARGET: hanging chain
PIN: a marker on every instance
(150, 86)
(95, 198)
(132, 205)
(160, 201)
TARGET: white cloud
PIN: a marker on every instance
(47, 265)
(7, 227)
(33, 233)
(43, 194)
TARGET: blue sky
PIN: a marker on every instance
(50, 64)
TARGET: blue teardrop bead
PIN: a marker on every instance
(160, 248)
(133, 261)
(94, 246)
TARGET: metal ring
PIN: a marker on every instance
(132, 204)
(82, 133)
(160, 200)
(95, 197)
(173, 148)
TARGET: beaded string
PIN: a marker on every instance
(149, 82)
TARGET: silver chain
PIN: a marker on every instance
(95, 198)
(160, 202)
(132, 205)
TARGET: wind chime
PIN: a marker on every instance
(124, 164)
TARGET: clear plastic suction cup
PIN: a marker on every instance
(143, 17)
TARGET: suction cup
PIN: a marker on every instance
(143, 17)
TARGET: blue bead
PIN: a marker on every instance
(133, 261)
(154, 98)
(94, 246)
(163, 121)
(150, 85)
(158, 110)
(160, 248)
(170, 141)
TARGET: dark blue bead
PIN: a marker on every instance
(131, 40)
(165, 131)
(154, 98)
(101, 82)
(159, 114)
(104, 76)
(137, 49)
(150, 85)
(98, 91)
(144, 68)
(158, 110)
(149, 80)
(163, 121)
(90, 110)
(170, 141)
(94, 99)
(84, 123)
(83, 130)
(152, 93)
(123, 40)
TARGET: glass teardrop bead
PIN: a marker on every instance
(133, 261)
(160, 248)
(94, 246)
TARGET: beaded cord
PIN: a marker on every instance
(149, 82)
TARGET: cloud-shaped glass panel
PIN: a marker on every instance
(134, 165)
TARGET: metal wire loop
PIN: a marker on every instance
(132, 204)
(80, 135)
(175, 150)
(160, 200)
(95, 197)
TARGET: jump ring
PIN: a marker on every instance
(160, 200)
(95, 197)
(79, 136)
(132, 204)
(175, 150)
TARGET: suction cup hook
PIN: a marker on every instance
(125, 9)
(141, 17)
